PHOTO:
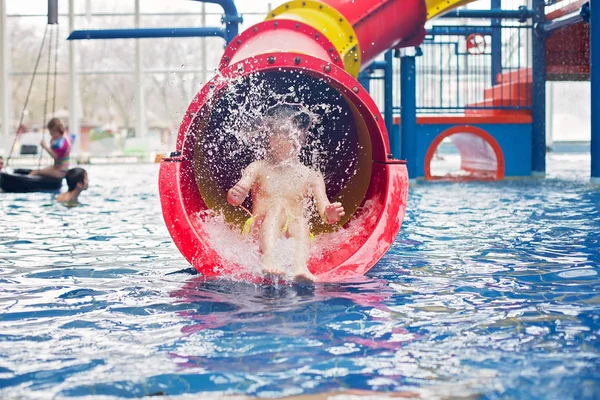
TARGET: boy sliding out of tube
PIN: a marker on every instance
(282, 189)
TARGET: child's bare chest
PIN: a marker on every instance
(283, 182)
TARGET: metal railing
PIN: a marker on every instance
(455, 72)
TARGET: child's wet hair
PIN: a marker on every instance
(273, 126)
(287, 119)
(56, 123)
(75, 176)
(296, 113)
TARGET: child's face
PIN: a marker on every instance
(84, 184)
(284, 146)
(55, 134)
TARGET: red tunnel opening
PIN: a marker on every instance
(476, 156)
(352, 154)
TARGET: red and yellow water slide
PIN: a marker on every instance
(322, 46)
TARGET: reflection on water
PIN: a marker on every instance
(490, 291)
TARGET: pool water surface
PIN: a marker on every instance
(491, 290)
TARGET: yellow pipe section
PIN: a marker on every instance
(439, 7)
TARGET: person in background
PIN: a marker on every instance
(77, 182)
(59, 149)
(1, 163)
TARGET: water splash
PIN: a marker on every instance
(241, 253)
(235, 130)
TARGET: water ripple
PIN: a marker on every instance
(490, 291)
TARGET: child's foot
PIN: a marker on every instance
(305, 277)
(268, 269)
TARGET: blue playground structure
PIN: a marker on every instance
(483, 87)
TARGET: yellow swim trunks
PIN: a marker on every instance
(249, 221)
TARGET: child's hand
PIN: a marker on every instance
(44, 144)
(237, 194)
(334, 212)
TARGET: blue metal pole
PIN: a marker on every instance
(538, 143)
(142, 33)
(595, 83)
(459, 30)
(496, 44)
(376, 65)
(388, 96)
(232, 18)
(521, 14)
(408, 114)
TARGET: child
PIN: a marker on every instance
(282, 188)
(77, 182)
(59, 149)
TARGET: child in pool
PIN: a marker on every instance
(77, 182)
(282, 188)
(59, 149)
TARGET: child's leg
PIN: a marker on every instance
(49, 172)
(298, 229)
(270, 230)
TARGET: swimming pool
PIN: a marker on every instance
(491, 290)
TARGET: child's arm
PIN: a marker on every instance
(49, 150)
(330, 212)
(238, 193)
